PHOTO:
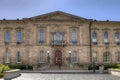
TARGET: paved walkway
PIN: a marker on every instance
(40, 76)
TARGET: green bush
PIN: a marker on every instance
(107, 66)
(118, 66)
(1, 75)
(20, 66)
(4, 68)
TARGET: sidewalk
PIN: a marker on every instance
(62, 71)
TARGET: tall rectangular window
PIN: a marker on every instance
(94, 37)
(117, 38)
(94, 56)
(42, 57)
(41, 36)
(7, 37)
(19, 56)
(7, 57)
(106, 57)
(74, 57)
(118, 56)
(106, 41)
(74, 36)
(19, 37)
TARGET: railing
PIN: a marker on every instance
(58, 43)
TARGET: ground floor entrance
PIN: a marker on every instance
(58, 57)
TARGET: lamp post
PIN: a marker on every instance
(48, 57)
(94, 62)
(69, 56)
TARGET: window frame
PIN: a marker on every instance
(20, 56)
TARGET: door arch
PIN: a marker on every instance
(58, 57)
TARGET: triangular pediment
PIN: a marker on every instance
(57, 15)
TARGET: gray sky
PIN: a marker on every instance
(92, 9)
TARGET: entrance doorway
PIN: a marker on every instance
(58, 57)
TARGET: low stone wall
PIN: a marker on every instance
(114, 72)
(11, 74)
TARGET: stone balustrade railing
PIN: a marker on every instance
(11, 74)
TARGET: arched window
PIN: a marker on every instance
(118, 56)
(74, 57)
(42, 57)
(106, 57)
(117, 38)
(58, 37)
(19, 37)
(106, 38)
(19, 56)
(7, 37)
(74, 36)
(41, 36)
(94, 37)
(7, 56)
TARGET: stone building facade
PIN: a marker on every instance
(59, 37)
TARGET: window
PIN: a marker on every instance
(94, 37)
(19, 37)
(74, 57)
(95, 56)
(74, 36)
(118, 56)
(42, 57)
(19, 55)
(106, 57)
(7, 37)
(117, 39)
(106, 41)
(58, 37)
(7, 57)
(41, 36)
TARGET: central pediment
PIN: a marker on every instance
(57, 15)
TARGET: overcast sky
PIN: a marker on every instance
(91, 9)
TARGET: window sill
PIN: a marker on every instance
(7, 62)
(19, 62)
(41, 62)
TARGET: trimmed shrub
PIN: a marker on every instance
(107, 66)
(1, 75)
(20, 66)
(118, 66)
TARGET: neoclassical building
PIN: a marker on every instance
(59, 36)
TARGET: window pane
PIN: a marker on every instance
(74, 36)
(7, 37)
(106, 57)
(41, 37)
(94, 37)
(74, 57)
(106, 37)
(117, 37)
(7, 57)
(42, 56)
(18, 56)
(118, 56)
(19, 38)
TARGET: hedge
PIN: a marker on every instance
(106, 66)
(20, 66)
